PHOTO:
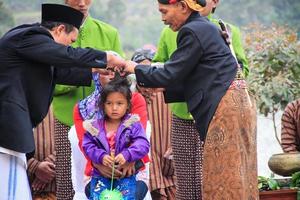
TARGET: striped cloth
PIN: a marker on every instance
(14, 182)
(162, 176)
(44, 150)
(290, 127)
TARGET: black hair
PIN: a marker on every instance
(142, 54)
(50, 25)
(117, 84)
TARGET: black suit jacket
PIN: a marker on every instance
(31, 63)
(199, 72)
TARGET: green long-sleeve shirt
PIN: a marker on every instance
(94, 34)
(167, 45)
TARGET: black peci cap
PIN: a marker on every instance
(62, 13)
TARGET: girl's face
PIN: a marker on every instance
(115, 106)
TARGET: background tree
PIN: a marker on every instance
(274, 57)
(288, 12)
(6, 19)
(139, 21)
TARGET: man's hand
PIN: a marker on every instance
(169, 153)
(225, 36)
(127, 169)
(45, 171)
(115, 62)
(130, 66)
(147, 93)
(107, 171)
(102, 71)
(38, 185)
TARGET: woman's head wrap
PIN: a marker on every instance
(88, 107)
(196, 5)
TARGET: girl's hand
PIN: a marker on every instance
(108, 161)
(120, 160)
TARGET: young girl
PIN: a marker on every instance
(115, 140)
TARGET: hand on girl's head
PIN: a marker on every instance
(120, 160)
(108, 161)
(104, 79)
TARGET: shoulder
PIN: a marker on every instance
(104, 26)
(200, 25)
(137, 97)
(292, 107)
(132, 120)
(91, 126)
(28, 30)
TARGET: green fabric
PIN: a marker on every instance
(167, 45)
(94, 34)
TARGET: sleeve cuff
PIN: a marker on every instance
(127, 155)
(32, 166)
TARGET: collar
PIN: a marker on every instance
(193, 16)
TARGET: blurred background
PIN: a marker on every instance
(138, 21)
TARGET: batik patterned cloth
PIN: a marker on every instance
(229, 157)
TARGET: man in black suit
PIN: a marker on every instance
(33, 58)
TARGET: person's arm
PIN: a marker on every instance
(175, 92)
(43, 170)
(78, 126)
(32, 165)
(140, 145)
(288, 131)
(42, 48)
(92, 149)
(181, 63)
(71, 76)
(139, 107)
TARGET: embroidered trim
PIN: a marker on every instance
(131, 120)
(88, 126)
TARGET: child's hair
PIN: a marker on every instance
(117, 84)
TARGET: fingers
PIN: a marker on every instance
(130, 66)
(51, 165)
(120, 160)
(38, 185)
(102, 71)
(169, 153)
(108, 161)
(127, 169)
(118, 174)
(104, 170)
(114, 61)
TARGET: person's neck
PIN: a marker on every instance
(112, 124)
(84, 19)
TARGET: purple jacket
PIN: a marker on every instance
(131, 140)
